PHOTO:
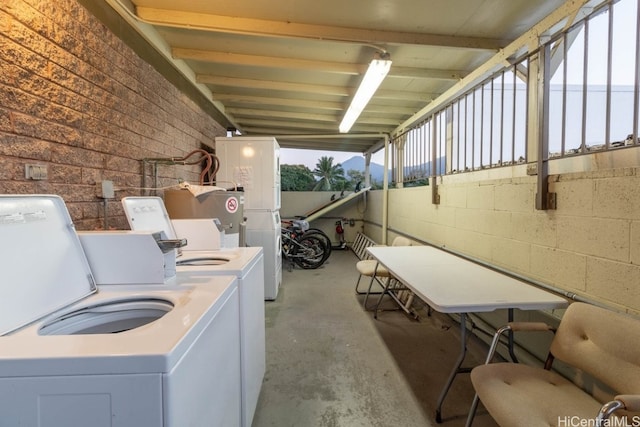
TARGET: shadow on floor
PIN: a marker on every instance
(331, 364)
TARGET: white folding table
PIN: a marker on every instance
(452, 284)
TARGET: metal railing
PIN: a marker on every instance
(592, 93)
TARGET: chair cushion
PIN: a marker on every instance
(602, 343)
(367, 267)
(520, 395)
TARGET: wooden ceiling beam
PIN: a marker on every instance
(238, 25)
(303, 64)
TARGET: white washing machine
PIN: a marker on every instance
(75, 354)
(263, 229)
(246, 263)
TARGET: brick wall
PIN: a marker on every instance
(76, 99)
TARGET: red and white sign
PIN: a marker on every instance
(232, 205)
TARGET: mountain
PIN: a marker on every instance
(357, 163)
(377, 170)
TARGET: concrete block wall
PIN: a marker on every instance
(589, 245)
(77, 100)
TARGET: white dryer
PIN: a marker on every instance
(73, 354)
(246, 263)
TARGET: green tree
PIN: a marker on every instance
(331, 176)
(355, 177)
(296, 178)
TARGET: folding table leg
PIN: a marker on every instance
(384, 291)
(457, 367)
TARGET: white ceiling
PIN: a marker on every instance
(290, 67)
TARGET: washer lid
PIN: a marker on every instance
(42, 262)
(148, 213)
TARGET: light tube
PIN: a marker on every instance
(377, 71)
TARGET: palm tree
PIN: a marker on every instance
(330, 175)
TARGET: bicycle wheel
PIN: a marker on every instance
(327, 241)
(309, 252)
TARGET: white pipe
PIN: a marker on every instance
(367, 169)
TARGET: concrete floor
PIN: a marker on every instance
(331, 364)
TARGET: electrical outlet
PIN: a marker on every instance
(104, 190)
(35, 172)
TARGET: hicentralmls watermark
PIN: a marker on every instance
(575, 421)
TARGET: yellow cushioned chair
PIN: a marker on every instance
(601, 343)
(371, 268)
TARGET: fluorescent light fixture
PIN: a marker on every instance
(377, 71)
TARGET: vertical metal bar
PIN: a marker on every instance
(463, 132)
(411, 155)
(491, 123)
(446, 129)
(406, 155)
(155, 178)
(564, 96)
(465, 139)
(481, 124)
(607, 138)
(455, 138)
(463, 136)
(422, 157)
(409, 152)
(526, 114)
(502, 118)
(426, 150)
(442, 146)
(416, 152)
(473, 129)
(144, 177)
(585, 87)
(636, 83)
(420, 148)
(105, 202)
(440, 129)
(542, 195)
(513, 118)
(385, 192)
(435, 197)
(397, 161)
(458, 138)
(390, 155)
